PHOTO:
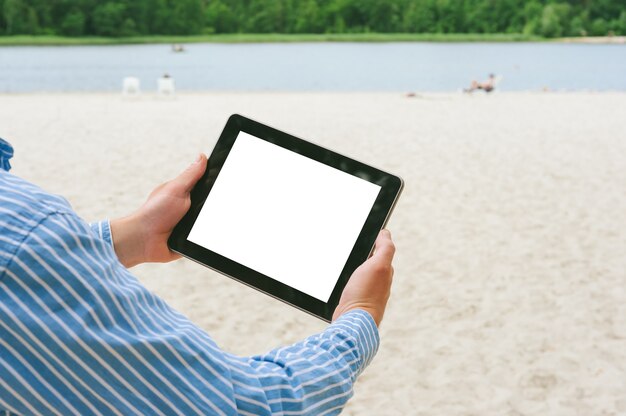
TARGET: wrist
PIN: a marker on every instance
(374, 312)
(127, 237)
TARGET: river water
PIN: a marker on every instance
(316, 66)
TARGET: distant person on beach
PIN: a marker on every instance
(488, 86)
(79, 334)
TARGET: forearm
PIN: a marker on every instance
(315, 376)
(124, 237)
(128, 241)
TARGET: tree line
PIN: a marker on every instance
(546, 18)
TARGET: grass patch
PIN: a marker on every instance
(23, 40)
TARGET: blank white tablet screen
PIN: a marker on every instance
(284, 215)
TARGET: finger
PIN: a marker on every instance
(188, 178)
(385, 249)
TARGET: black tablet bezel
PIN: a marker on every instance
(391, 187)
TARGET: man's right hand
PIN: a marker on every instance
(370, 285)
(142, 236)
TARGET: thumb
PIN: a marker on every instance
(188, 178)
(384, 247)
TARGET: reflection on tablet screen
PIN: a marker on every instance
(284, 215)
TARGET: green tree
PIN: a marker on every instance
(598, 27)
(621, 28)
(220, 18)
(419, 18)
(554, 20)
(309, 18)
(129, 28)
(532, 12)
(11, 11)
(108, 18)
(20, 18)
(73, 24)
(548, 18)
(449, 16)
(183, 17)
(266, 16)
(157, 15)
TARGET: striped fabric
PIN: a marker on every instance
(6, 153)
(80, 335)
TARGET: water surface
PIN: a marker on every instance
(316, 66)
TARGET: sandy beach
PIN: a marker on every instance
(509, 295)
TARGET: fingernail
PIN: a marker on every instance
(386, 232)
(199, 158)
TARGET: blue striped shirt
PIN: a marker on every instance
(80, 335)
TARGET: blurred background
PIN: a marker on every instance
(506, 119)
(477, 33)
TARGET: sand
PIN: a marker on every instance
(595, 40)
(510, 288)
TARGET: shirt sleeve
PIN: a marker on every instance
(103, 230)
(6, 153)
(312, 377)
(79, 334)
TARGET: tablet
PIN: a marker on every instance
(285, 216)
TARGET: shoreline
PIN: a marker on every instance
(238, 38)
(28, 40)
(596, 40)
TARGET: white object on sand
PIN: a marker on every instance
(131, 86)
(166, 86)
